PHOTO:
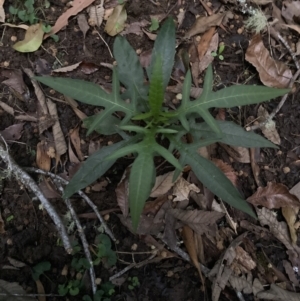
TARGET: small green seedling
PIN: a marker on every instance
(219, 52)
(148, 129)
(134, 282)
(105, 293)
(104, 252)
(9, 218)
(72, 287)
(39, 269)
(26, 12)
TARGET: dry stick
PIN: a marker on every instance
(82, 194)
(28, 182)
(279, 37)
(277, 109)
(82, 237)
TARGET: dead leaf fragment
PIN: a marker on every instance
(96, 14)
(2, 13)
(2, 226)
(276, 293)
(116, 22)
(202, 24)
(274, 196)
(162, 184)
(62, 21)
(43, 161)
(269, 129)
(13, 132)
(33, 39)
(272, 73)
(199, 220)
(122, 192)
(182, 189)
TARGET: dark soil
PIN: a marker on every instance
(31, 236)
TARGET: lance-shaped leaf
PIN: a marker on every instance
(94, 167)
(165, 46)
(92, 94)
(212, 177)
(130, 71)
(156, 90)
(225, 98)
(232, 134)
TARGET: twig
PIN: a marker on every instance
(28, 182)
(82, 237)
(104, 43)
(82, 194)
(277, 109)
(279, 37)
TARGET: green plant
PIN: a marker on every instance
(134, 282)
(39, 269)
(26, 12)
(104, 253)
(154, 24)
(154, 125)
(103, 294)
(72, 287)
(219, 52)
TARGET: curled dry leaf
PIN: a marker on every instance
(269, 130)
(96, 13)
(2, 13)
(33, 39)
(122, 192)
(274, 196)
(272, 73)
(13, 132)
(162, 184)
(202, 24)
(116, 22)
(43, 161)
(75, 139)
(227, 170)
(182, 189)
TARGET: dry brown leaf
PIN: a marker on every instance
(43, 161)
(2, 13)
(67, 68)
(189, 242)
(228, 171)
(75, 139)
(151, 36)
(275, 293)
(40, 290)
(290, 10)
(162, 184)
(202, 24)
(135, 28)
(13, 132)
(290, 215)
(116, 21)
(48, 189)
(199, 220)
(272, 73)
(238, 153)
(269, 129)
(72, 156)
(96, 14)
(294, 27)
(244, 259)
(274, 196)
(241, 284)
(290, 272)
(122, 192)
(205, 42)
(59, 139)
(16, 83)
(62, 21)
(22, 26)
(182, 189)
(153, 207)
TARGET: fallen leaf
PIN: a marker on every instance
(227, 169)
(274, 196)
(135, 28)
(199, 220)
(202, 24)
(116, 22)
(96, 14)
(182, 189)
(290, 10)
(205, 41)
(33, 39)
(13, 132)
(238, 153)
(2, 13)
(290, 272)
(276, 293)
(189, 242)
(43, 161)
(62, 21)
(48, 188)
(16, 83)
(11, 289)
(269, 129)
(67, 68)
(122, 192)
(75, 139)
(88, 67)
(272, 73)
(42, 67)
(162, 184)
(22, 26)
